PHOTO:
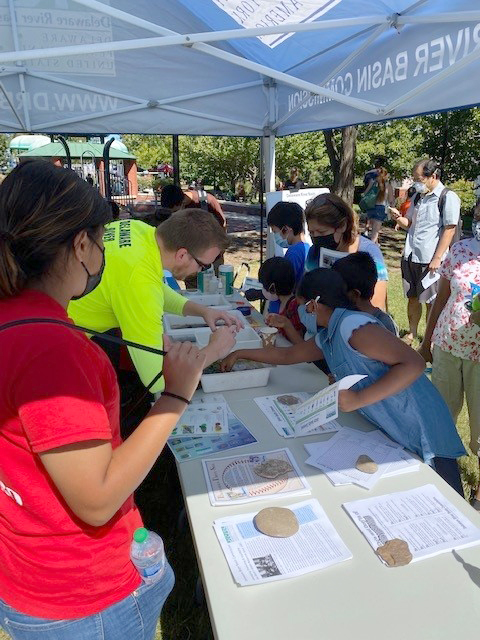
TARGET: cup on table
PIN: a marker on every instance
(268, 336)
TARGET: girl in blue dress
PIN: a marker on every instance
(396, 396)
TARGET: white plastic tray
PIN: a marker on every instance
(246, 338)
(212, 382)
(172, 322)
(208, 299)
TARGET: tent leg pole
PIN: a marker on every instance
(268, 144)
(175, 160)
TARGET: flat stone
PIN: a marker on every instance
(276, 522)
(272, 468)
(366, 464)
(395, 553)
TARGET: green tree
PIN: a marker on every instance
(452, 138)
(149, 149)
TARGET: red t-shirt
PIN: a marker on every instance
(56, 388)
(291, 312)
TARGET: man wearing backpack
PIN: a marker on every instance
(432, 222)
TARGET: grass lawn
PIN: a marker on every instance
(159, 497)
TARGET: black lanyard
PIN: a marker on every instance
(103, 336)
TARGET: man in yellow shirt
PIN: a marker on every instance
(132, 294)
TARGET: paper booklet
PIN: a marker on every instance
(255, 558)
(192, 447)
(328, 257)
(238, 479)
(337, 457)
(423, 517)
(300, 413)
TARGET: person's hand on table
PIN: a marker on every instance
(348, 400)
(222, 340)
(212, 316)
(229, 361)
(278, 321)
(182, 367)
(426, 352)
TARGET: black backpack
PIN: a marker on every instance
(441, 206)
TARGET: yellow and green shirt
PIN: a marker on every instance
(131, 295)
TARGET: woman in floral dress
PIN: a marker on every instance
(455, 337)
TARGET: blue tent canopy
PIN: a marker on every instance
(232, 67)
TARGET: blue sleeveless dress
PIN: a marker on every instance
(417, 417)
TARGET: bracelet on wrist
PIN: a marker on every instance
(174, 395)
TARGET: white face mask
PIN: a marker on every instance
(419, 187)
(269, 295)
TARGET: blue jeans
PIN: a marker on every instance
(133, 618)
(379, 213)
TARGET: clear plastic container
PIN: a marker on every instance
(148, 555)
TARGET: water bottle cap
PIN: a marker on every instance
(140, 534)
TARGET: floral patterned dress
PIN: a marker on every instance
(455, 333)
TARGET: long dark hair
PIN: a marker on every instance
(327, 284)
(42, 209)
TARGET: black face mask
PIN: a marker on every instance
(93, 279)
(325, 242)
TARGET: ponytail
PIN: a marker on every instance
(11, 276)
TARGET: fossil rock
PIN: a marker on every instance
(272, 468)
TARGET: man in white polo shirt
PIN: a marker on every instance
(431, 222)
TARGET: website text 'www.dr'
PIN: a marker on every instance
(61, 102)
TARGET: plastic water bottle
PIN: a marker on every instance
(148, 555)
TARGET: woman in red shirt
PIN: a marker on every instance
(67, 513)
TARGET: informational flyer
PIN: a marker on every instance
(338, 456)
(204, 418)
(254, 476)
(299, 413)
(423, 517)
(328, 257)
(192, 448)
(255, 558)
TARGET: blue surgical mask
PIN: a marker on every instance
(280, 240)
(309, 320)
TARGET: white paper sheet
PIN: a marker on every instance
(328, 257)
(337, 456)
(282, 417)
(255, 558)
(429, 279)
(423, 517)
(202, 419)
(233, 480)
(322, 407)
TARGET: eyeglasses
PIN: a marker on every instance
(202, 265)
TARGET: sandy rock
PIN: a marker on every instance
(366, 464)
(395, 553)
(277, 522)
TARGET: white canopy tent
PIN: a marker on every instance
(232, 67)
